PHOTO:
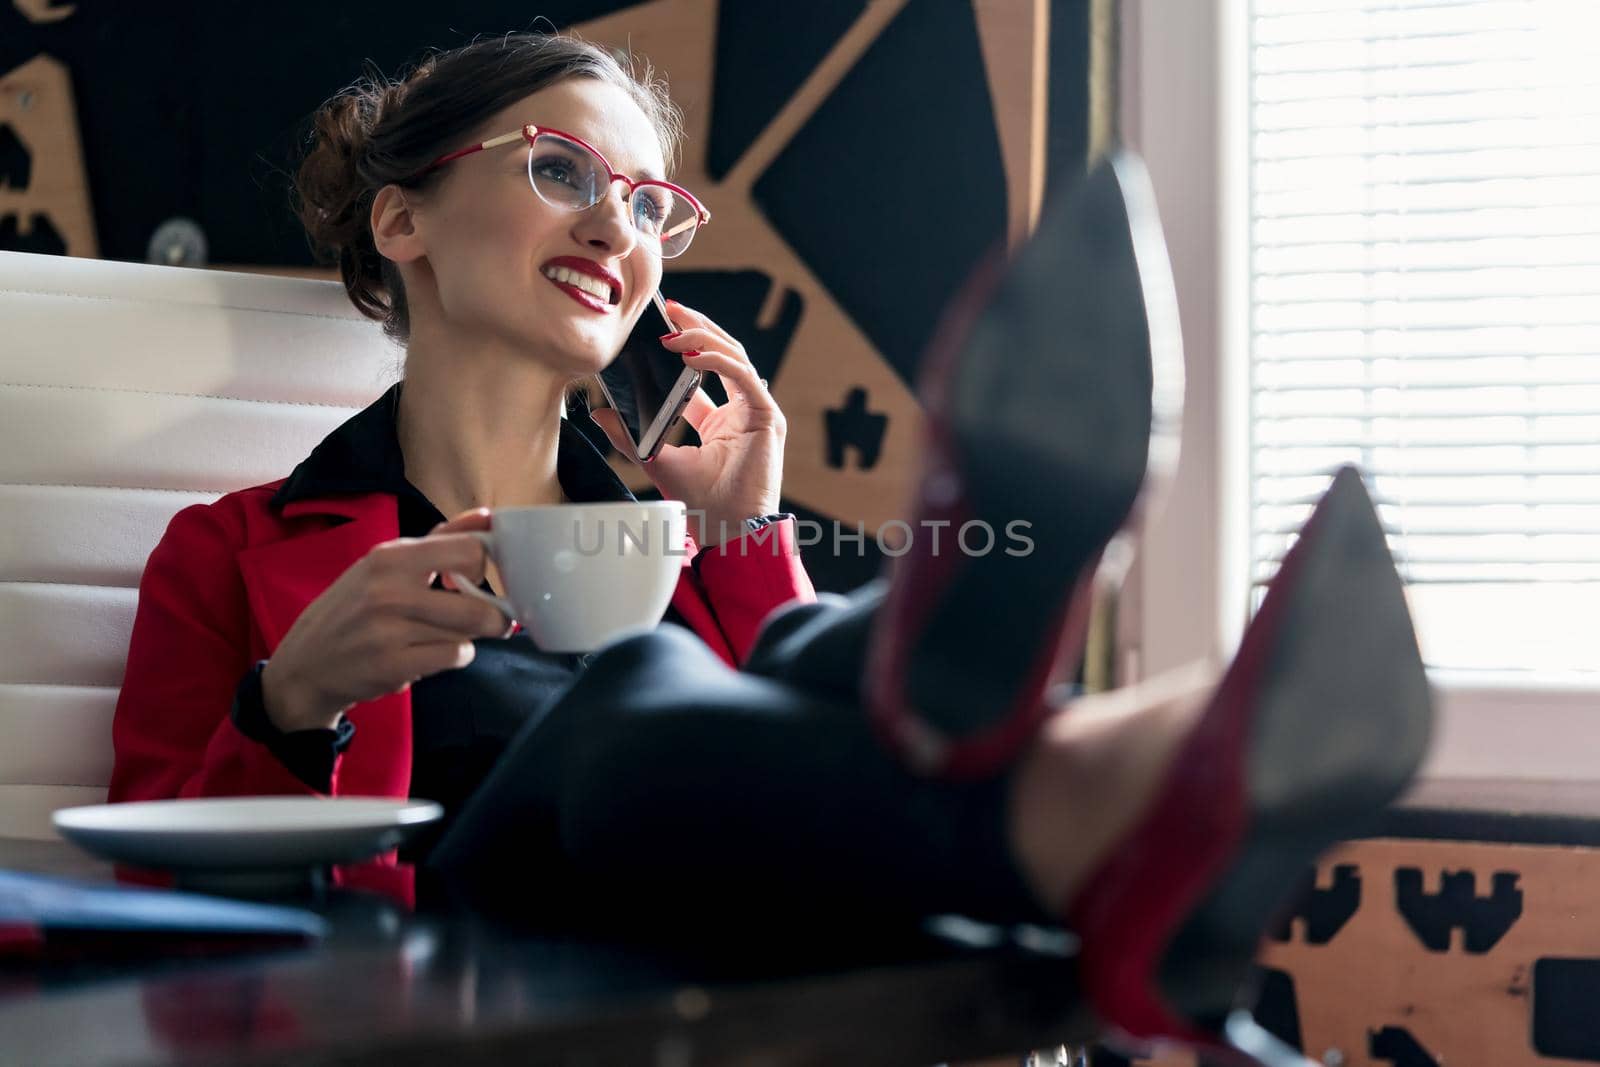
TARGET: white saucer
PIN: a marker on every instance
(243, 833)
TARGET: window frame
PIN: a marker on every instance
(1184, 108)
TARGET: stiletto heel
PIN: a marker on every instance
(1051, 383)
(1321, 719)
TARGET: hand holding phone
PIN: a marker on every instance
(735, 470)
(648, 386)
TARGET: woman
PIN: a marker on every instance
(492, 345)
(294, 637)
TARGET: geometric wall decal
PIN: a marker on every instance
(863, 217)
(853, 426)
(43, 10)
(1388, 988)
(1323, 911)
(16, 162)
(1565, 995)
(1394, 1044)
(762, 57)
(44, 192)
(36, 234)
(1431, 916)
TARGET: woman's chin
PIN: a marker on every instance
(578, 361)
(567, 351)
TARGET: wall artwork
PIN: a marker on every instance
(856, 161)
(1420, 953)
(44, 191)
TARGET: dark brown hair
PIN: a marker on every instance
(381, 131)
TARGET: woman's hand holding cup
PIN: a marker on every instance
(583, 574)
(380, 626)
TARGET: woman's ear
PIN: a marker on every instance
(394, 229)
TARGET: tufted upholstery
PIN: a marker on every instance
(128, 392)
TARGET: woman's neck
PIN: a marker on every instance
(475, 433)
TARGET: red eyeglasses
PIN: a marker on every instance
(568, 172)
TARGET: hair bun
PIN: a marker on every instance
(329, 182)
(327, 177)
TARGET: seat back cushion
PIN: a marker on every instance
(128, 392)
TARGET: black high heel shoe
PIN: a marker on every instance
(1320, 721)
(1052, 383)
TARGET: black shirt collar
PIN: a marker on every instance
(363, 456)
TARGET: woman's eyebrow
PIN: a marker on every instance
(641, 173)
(636, 172)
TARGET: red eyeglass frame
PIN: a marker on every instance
(530, 131)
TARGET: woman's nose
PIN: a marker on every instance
(609, 221)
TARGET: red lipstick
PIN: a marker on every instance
(588, 267)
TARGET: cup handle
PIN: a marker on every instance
(470, 589)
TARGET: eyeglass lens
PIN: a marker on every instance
(567, 175)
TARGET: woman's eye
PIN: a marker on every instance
(554, 169)
(651, 208)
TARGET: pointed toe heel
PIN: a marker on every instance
(1319, 722)
(1050, 384)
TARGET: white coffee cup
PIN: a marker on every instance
(578, 576)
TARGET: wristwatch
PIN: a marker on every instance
(751, 525)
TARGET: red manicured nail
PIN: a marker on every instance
(669, 336)
(692, 352)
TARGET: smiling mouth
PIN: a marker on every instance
(586, 283)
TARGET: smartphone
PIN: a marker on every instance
(648, 385)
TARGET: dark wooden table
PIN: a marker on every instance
(395, 987)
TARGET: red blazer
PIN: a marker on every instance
(228, 580)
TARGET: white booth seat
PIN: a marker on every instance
(128, 392)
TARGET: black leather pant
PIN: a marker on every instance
(665, 785)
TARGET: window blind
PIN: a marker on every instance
(1424, 286)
